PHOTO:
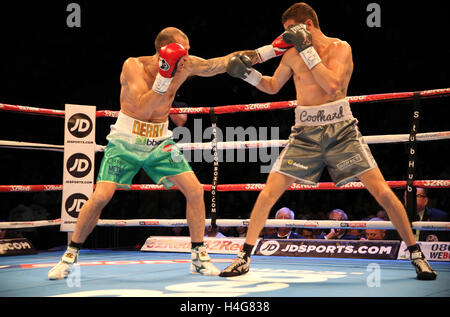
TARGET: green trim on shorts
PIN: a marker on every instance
(122, 161)
(121, 186)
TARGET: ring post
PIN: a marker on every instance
(412, 159)
(79, 160)
(215, 169)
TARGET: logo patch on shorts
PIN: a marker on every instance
(296, 164)
(115, 168)
(348, 162)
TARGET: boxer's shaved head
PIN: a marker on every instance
(167, 36)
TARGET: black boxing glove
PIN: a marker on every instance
(300, 37)
(239, 66)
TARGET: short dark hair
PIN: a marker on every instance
(167, 36)
(300, 12)
(425, 191)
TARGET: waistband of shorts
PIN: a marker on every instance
(137, 127)
(143, 135)
(328, 113)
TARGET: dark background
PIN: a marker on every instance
(44, 63)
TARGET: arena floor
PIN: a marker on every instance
(111, 273)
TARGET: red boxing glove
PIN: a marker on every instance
(169, 56)
(277, 48)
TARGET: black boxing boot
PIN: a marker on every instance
(420, 263)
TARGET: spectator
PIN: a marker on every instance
(267, 232)
(284, 232)
(227, 231)
(214, 232)
(306, 233)
(241, 231)
(426, 213)
(341, 234)
(382, 215)
(357, 233)
(179, 231)
(375, 234)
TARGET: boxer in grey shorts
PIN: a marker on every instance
(325, 136)
(325, 131)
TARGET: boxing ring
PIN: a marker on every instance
(166, 274)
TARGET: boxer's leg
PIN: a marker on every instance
(86, 222)
(91, 210)
(276, 184)
(191, 188)
(377, 186)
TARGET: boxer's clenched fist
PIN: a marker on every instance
(300, 37)
(239, 66)
(169, 56)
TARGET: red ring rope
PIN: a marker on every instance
(242, 108)
(239, 187)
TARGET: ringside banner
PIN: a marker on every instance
(79, 159)
(360, 249)
(433, 251)
(183, 244)
(16, 246)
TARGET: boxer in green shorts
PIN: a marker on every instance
(325, 133)
(140, 139)
(135, 144)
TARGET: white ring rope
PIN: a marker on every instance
(274, 223)
(235, 145)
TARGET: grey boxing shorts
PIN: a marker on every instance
(325, 136)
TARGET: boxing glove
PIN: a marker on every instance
(277, 48)
(169, 56)
(300, 37)
(239, 66)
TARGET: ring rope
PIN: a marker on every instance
(434, 93)
(440, 183)
(236, 145)
(274, 223)
(235, 187)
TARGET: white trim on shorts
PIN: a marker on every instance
(369, 158)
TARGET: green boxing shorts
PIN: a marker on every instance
(325, 136)
(135, 144)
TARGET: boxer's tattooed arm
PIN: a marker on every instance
(214, 66)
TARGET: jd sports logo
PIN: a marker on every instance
(74, 203)
(269, 247)
(80, 125)
(79, 165)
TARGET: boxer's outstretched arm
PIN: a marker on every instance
(214, 66)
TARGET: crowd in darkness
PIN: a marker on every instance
(48, 65)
